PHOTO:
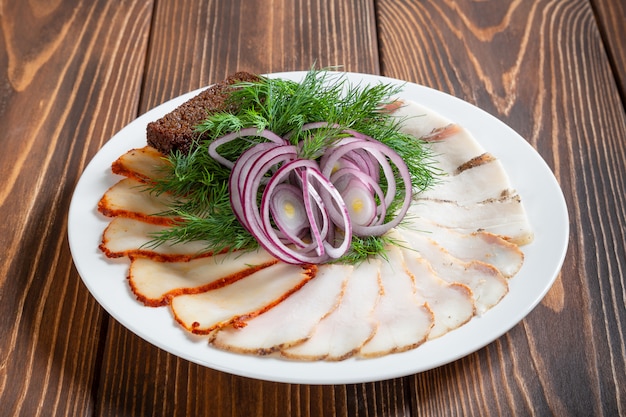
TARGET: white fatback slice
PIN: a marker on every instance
(473, 185)
(143, 163)
(505, 217)
(480, 246)
(487, 284)
(404, 321)
(129, 198)
(245, 298)
(501, 214)
(455, 149)
(452, 304)
(155, 282)
(343, 332)
(418, 120)
(292, 321)
(130, 237)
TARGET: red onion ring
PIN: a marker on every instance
(268, 177)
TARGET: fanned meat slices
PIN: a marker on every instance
(404, 318)
(504, 216)
(453, 261)
(487, 284)
(155, 282)
(473, 246)
(475, 192)
(451, 145)
(455, 149)
(291, 322)
(343, 332)
(452, 303)
(421, 121)
(241, 300)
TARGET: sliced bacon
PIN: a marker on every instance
(479, 183)
(292, 321)
(475, 192)
(504, 217)
(240, 300)
(129, 198)
(487, 284)
(343, 332)
(481, 246)
(129, 237)
(155, 282)
(404, 317)
(422, 122)
(143, 164)
(452, 303)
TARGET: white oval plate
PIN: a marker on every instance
(529, 174)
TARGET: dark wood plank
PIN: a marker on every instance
(149, 381)
(70, 76)
(214, 40)
(219, 38)
(541, 67)
(611, 18)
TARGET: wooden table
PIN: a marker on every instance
(72, 73)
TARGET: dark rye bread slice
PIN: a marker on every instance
(176, 130)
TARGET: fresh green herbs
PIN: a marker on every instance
(284, 107)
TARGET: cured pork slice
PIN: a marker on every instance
(404, 320)
(125, 236)
(504, 217)
(343, 332)
(452, 303)
(243, 299)
(451, 145)
(475, 192)
(481, 246)
(128, 198)
(143, 164)
(487, 284)
(418, 120)
(154, 282)
(292, 321)
(454, 148)
(477, 183)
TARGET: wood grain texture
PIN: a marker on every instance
(148, 381)
(556, 88)
(219, 38)
(142, 380)
(72, 73)
(66, 87)
(611, 18)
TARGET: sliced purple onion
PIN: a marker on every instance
(248, 132)
(304, 212)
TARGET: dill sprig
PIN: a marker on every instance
(199, 183)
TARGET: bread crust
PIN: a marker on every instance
(176, 130)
